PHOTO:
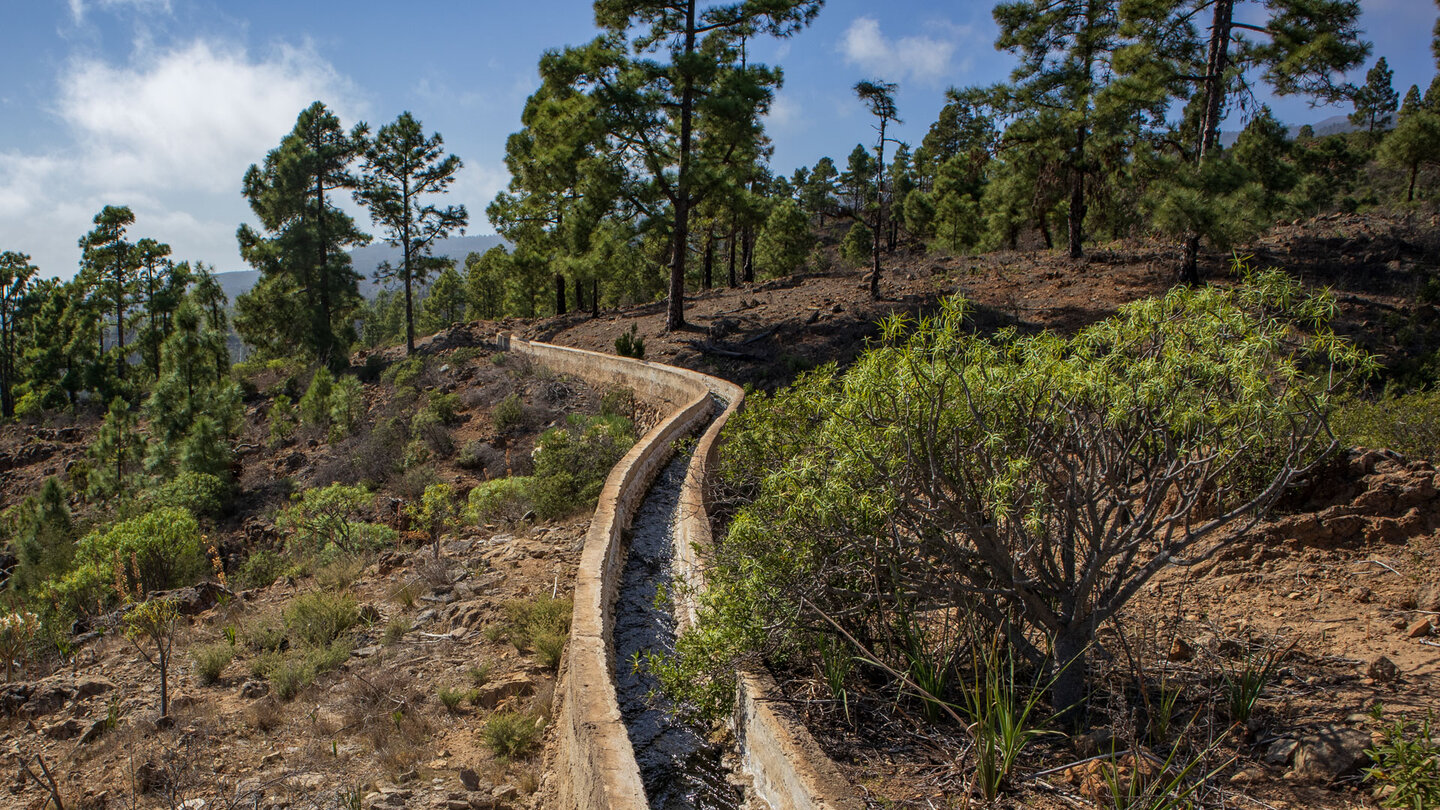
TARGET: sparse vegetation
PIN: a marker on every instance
(511, 735)
(209, 661)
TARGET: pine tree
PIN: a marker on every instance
(307, 291)
(1412, 101)
(108, 265)
(117, 452)
(879, 98)
(194, 407)
(1413, 144)
(1376, 99)
(1066, 51)
(402, 169)
(161, 285)
(818, 192)
(693, 38)
(784, 242)
(43, 534)
(16, 273)
(445, 302)
(1300, 47)
(485, 275)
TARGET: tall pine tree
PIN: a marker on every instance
(402, 169)
(307, 292)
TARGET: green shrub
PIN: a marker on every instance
(315, 404)
(210, 660)
(858, 246)
(451, 697)
(572, 463)
(618, 401)
(1409, 424)
(1407, 766)
(283, 420)
(512, 734)
(405, 373)
(156, 551)
(508, 413)
(506, 499)
(324, 523)
(317, 619)
(395, 630)
(340, 573)
(288, 676)
(938, 430)
(630, 344)
(261, 568)
(264, 636)
(347, 407)
(202, 494)
(541, 624)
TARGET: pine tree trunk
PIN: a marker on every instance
(1077, 199)
(559, 294)
(709, 265)
(675, 312)
(1215, 66)
(747, 251)
(594, 297)
(879, 212)
(734, 280)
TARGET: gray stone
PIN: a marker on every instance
(1280, 751)
(1330, 752)
(1382, 670)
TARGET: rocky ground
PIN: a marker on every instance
(1339, 587)
(374, 732)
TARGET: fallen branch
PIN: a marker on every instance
(48, 784)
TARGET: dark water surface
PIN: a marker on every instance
(680, 768)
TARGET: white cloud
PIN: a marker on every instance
(79, 7)
(923, 58)
(785, 113)
(194, 116)
(170, 133)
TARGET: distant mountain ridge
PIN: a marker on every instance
(1334, 125)
(368, 259)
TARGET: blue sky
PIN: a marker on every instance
(162, 104)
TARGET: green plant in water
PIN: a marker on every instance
(1407, 766)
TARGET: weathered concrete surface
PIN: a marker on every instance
(594, 762)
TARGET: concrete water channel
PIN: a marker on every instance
(681, 768)
(601, 750)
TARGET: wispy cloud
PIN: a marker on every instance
(78, 8)
(168, 133)
(923, 58)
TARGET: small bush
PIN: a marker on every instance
(1407, 766)
(508, 413)
(630, 344)
(504, 499)
(571, 463)
(325, 523)
(395, 630)
(284, 418)
(452, 697)
(288, 677)
(210, 660)
(347, 407)
(340, 573)
(264, 636)
(265, 663)
(618, 402)
(482, 457)
(858, 245)
(1409, 424)
(541, 624)
(202, 494)
(261, 568)
(480, 674)
(512, 734)
(317, 619)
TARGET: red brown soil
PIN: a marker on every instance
(1342, 599)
